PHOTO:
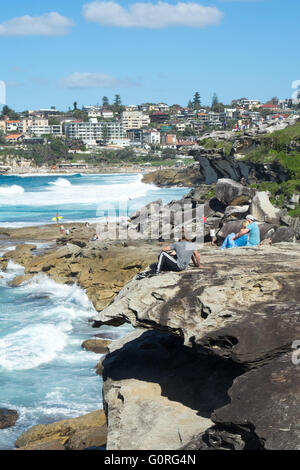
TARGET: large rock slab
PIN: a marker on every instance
(235, 323)
(152, 396)
(243, 305)
(231, 193)
(262, 209)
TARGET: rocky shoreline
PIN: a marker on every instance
(233, 322)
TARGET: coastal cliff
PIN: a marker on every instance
(210, 362)
(210, 365)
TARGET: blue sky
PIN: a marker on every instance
(56, 52)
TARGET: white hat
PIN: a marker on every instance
(250, 217)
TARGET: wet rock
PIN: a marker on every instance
(68, 434)
(99, 367)
(7, 418)
(99, 346)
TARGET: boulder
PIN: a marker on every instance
(232, 226)
(276, 429)
(98, 346)
(76, 434)
(262, 209)
(7, 418)
(238, 212)
(283, 234)
(231, 193)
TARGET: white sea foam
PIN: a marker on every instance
(41, 284)
(43, 341)
(31, 346)
(61, 183)
(93, 194)
(7, 192)
(13, 269)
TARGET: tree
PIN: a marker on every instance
(215, 100)
(75, 105)
(118, 101)
(7, 111)
(105, 101)
(105, 136)
(197, 101)
(117, 106)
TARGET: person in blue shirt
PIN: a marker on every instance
(253, 230)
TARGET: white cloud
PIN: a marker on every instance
(49, 24)
(94, 80)
(148, 15)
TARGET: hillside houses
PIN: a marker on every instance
(146, 125)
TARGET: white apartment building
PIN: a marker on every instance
(27, 123)
(134, 120)
(39, 131)
(151, 137)
(180, 126)
(248, 104)
(93, 132)
(213, 117)
(107, 114)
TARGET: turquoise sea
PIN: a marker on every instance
(44, 373)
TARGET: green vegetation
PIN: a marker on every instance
(211, 144)
(295, 212)
(49, 154)
(282, 147)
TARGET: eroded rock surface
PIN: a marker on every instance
(238, 316)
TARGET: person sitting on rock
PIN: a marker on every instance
(253, 231)
(181, 254)
(235, 240)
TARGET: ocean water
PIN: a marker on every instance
(34, 200)
(44, 373)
